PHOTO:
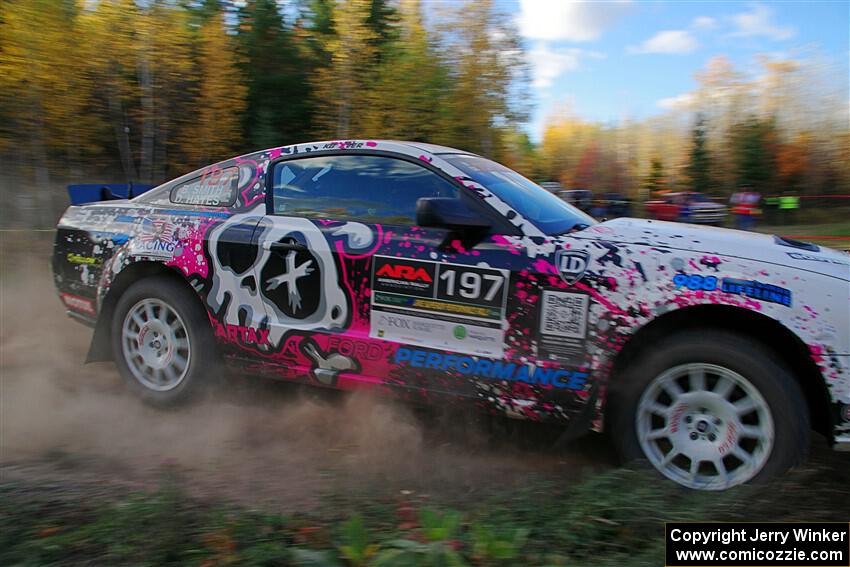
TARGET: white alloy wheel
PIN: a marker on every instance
(155, 345)
(704, 426)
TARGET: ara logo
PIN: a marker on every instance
(404, 272)
(571, 264)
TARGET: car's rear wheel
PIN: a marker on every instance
(710, 410)
(162, 343)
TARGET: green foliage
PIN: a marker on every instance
(439, 527)
(753, 141)
(356, 548)
(699, 168)
(611, 518)
(405, 552)
(278, 106)
(493, 545)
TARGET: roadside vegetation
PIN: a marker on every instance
(614, 518)
(831, 234)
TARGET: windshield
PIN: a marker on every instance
(549, 213)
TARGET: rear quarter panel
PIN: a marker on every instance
(95, 243)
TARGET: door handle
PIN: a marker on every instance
(284, 246)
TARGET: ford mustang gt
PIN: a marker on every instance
(440, 276)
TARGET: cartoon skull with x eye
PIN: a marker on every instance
(247, 292)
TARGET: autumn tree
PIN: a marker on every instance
(411, 87)
(654, 182)
(488, 72)
(220, 99)
(587, 171)
(44, 89)
(342, 87)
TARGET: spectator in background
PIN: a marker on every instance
(744, 204)
(752, 200)
(788, 205)
(736, 208)
(771, 209)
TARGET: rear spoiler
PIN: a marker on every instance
(83, 193)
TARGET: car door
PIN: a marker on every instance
(354, 288)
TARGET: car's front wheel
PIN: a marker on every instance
(162, 343)
(710, 410)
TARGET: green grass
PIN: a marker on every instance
(810, 233)
(613, 518)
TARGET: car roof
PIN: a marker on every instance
(432, 148)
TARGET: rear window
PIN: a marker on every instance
(215, 189)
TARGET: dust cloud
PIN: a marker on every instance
(250, 439)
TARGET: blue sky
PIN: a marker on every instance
(630, 59)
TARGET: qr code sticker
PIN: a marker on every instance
(564, 314)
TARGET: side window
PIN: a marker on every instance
(215, 189)
(355, 187)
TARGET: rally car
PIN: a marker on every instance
(440, 276)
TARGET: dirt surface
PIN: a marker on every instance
(251, 440)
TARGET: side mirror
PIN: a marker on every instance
(447, 212)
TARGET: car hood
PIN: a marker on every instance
(723, 242)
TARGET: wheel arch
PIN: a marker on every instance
(100, 349)
(774, 336)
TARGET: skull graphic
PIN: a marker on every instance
(258, 286)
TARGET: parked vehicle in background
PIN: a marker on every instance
(616, 205)
(686, 206)
(581, 199)
(552, 186)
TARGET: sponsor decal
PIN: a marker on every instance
(563, 326)
(240, 334)
(407, 277)
(77, 303)
(676, 417)
(359, 350)
(79, 259)
(448, 306)
(490, 369)
(731, 438)
(404, 272)
(695, 282)
(749, 288)
(809, 257)
(572, 264)
(327, 366)
(215, 188)
(757, 290)
(157, 238)
(409, 323)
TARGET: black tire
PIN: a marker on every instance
(201, 356)
(740, 354)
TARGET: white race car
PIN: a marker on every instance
(438, 275)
